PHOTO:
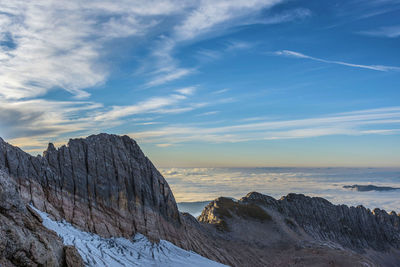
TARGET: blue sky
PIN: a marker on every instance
(207, 83)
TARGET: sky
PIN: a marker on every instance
(236, 83)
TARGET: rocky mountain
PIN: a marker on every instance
(356, 228)
(91, 182)
(304, 226)
(104, 184)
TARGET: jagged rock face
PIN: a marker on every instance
(258, 236)
(352, 227)
(312, 231)
(103, 184)
(24, 241)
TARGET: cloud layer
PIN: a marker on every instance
(201, 184)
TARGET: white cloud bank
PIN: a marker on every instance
(202, 184)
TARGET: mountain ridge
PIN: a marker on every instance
(104, 184)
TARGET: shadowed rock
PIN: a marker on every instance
(72, 257)
(24, 241)
(352, 227)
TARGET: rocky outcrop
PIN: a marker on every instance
(24, 241)
(72, 257)
(259, 236)
(311, 230)
(357, 228)
(103, 184)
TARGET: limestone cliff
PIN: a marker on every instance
(103, 184)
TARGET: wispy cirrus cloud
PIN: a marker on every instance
(28, 123)
(388, 32)
(212, 18)
(286, 16)
(151, 105)
(206, 55)
(187, 90)
(222, 91)
(165, 68)
(356, 10)
(217, 15)
(168, 75)
(294, 54)
(164, 145)
(373, 121)
(209, 113)
(33, 123)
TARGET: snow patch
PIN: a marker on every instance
(116, 252)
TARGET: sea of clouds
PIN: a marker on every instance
(200, 184)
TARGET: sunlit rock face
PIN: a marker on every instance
(103, 184)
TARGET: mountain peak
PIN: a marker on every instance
(94, 180)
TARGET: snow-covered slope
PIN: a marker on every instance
(110, 252)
